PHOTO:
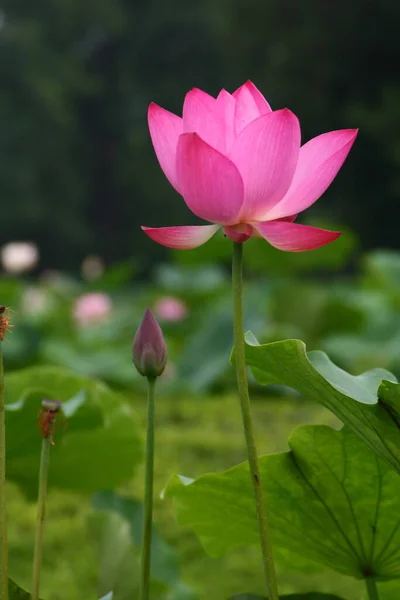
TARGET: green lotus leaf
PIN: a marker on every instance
(330, 500)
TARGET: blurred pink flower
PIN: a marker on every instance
(171, 309)
(19, 257)
(92, 267)
(239, 165)
(36, 301)
(92, 308)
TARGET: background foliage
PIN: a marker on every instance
(354, 316)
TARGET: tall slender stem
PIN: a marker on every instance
(241, 375)
(41, 512)
(371, 588)
(148, 495)
(3, 515)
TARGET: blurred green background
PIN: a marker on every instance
(78, 176)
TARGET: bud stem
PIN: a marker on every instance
(241, 375)
(3, 515)
(371, 588)
(41, 510)
(148, 494)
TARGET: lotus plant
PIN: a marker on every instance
(149, 355)
(240, 166)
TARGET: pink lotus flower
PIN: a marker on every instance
(240, 166)
(91, 308)
(171, 309)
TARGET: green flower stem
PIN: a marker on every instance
(41, 511)
(3, 519)
(371, 588)
(148, 495)
(241, 375)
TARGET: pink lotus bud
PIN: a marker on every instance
(149, 350)
(171, 309)
(92, 308)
